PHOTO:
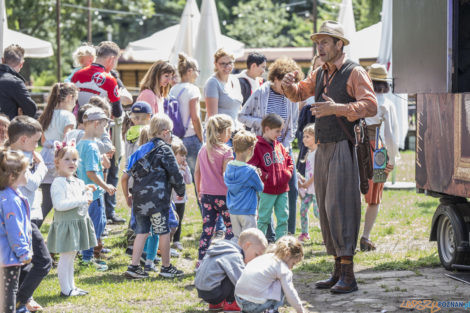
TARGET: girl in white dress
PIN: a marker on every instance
(71, 229)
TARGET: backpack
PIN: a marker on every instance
(172, 106)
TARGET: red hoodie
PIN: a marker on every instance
(276, 165)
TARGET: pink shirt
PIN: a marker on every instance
(212, 171)
(156, 102)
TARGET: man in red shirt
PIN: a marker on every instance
(96, 80)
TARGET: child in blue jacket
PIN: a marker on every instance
(15, 225)
(243, 182)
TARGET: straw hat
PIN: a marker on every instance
(333, 29)
(378, 72)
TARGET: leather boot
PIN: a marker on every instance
(330, 282)
(347, 282)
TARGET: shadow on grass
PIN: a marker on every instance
(120, 278)
(409, 264)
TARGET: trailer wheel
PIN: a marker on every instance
(449, 235)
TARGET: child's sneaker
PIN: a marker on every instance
(177, 245)
(170, 272)
(99, 265)
(135, 272)
(216, 307)
(231, 307)
(150, 268)
(174, 253)
(304, 237)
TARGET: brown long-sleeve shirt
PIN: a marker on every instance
(358, 86)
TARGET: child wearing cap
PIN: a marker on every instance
(90, 170)
(140, 115)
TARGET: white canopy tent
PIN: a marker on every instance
(365, 43)
(185, 37)
(34, 48)
(346, 18)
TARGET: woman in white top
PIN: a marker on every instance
(188, 96)
(385, 121)
(155, 85)
(222, 90)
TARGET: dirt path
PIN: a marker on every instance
(386, 292)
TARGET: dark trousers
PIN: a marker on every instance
(180, 211)
(226, 291)
(10, 288)
(293, 194)
(112, 178)
(46, 205)
(33, 273)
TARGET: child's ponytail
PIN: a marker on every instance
(289, 247)
(58, 94)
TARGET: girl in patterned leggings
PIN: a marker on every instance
(306, 185)
(209, 177)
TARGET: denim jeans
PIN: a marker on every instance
(98, 217)
(33, 273)
(251, 307)
(112, 178)
(293, 193)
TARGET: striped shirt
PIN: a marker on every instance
(277, 104)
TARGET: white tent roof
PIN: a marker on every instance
(365, 43)
(156, 47)
(34, 48)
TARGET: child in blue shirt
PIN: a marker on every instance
(15, 225)
(243, 182)
(90, 170)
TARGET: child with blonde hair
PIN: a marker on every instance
(211, 162)
(155, 172)
(4, 123)
(72, 229)
(15, 226)
(220, 270)
(82, 57)
(243, 184)
(267, 280)
(306, 185)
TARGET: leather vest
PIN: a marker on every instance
(327, 128)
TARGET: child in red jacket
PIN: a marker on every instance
(276, 167)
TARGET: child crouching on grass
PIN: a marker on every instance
(222, 266)
(243, 182)
(267, 280)
(155, 172)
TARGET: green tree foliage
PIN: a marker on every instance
(366, 12)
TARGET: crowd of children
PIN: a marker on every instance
(242, 183)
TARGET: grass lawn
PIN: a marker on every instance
(401, 234)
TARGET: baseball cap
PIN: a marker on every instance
(141, 107)
(94, 114)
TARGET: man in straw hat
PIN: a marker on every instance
(344, 94)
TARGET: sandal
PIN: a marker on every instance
(33, 306)
(367, 245)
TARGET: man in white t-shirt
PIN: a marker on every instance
(250, 79)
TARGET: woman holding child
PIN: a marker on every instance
(269, 98)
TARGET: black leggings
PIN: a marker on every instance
(11, 277)
(226, 291)
(180, 212)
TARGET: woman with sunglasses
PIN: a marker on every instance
(222, 90)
